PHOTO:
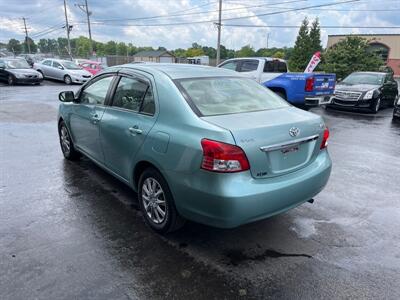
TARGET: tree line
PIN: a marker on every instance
(350, 54)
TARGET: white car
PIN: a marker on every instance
(63, 70)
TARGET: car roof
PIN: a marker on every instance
(258, 57)
(179, 71)
(372, 73)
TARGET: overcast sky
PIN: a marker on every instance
(109, 20)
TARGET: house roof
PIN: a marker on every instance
(152, 53)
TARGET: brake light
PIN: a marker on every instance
(222, 157)
(324, 143)
(309, 84)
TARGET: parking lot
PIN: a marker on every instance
(71, 231)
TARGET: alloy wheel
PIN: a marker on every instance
(10, 80)
(153, 199)
(377, 105)
(67, 80)
(65, 140)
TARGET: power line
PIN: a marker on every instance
(232, 18)
(196, 13)
(298, 26)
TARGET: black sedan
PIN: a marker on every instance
(366, 90)
(396, 111)
(14, 71)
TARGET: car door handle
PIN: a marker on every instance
(135, 130)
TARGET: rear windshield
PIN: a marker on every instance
(229, 95)
(275, 66)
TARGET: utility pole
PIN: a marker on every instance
(27, 41)
(88, 13)
(219, 32)
(267, 39)
(68, 29)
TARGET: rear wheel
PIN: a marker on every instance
(67, 146)
(11, 80)
(67, 79)
(157, 204)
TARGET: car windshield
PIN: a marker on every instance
(70, 65)
(363, 78)
(17, 64)
(229, 95)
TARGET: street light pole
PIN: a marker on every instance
(67, 28)
(219, 32)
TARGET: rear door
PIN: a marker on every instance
(127, 121)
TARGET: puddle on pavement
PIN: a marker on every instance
(26, 112)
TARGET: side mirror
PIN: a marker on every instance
(67, 96)
(60, 67)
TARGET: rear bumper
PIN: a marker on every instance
(230, 200)
(317, 100)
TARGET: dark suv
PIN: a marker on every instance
(366, 90)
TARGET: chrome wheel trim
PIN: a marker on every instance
(65, 140)
(153, 199)
(10, 80)
(378, 104)
(67, 79)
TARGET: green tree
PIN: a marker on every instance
(14, 46)
(194, 52)
(246, 51)
(315, 36)
(279, 54)
(350, 55)
(179, 52)
(302, 49)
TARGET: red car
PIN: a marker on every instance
(93, 67)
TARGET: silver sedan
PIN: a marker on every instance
(63, 70)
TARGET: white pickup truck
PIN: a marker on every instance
(301, 89)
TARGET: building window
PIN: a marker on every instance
(380, 49)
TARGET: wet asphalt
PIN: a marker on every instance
(68, 230)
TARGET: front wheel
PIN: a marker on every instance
(376, 106)
(156, 203)
(67, 146)
(67, 79)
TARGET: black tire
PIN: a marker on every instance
(10, 80)
(71, 153)
(393, 104)
(67, 79)
(376, 106)
(171, 221)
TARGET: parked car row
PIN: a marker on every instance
(25, 70)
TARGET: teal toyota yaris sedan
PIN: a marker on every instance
(196, 143)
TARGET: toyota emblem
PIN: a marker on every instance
(294, 131)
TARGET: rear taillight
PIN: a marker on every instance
(324, 143)
(309, 84)
(222, 157)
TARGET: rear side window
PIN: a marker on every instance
(228, 95)
(130, 93)
(248, 66)
(232, 65)
(275, 66)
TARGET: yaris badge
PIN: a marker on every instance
(294, 131)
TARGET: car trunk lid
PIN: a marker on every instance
(277, 141)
